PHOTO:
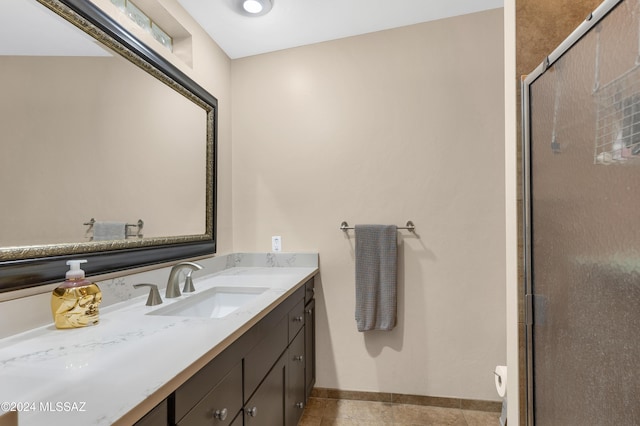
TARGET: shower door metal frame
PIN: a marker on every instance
(525, 90)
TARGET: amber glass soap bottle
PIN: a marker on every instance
(75, 302)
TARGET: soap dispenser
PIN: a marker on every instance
(74, 303)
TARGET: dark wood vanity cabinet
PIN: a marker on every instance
(263, 378)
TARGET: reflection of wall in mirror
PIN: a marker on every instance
(96, 137)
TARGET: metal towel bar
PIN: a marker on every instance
(129, 231)
(344, 226)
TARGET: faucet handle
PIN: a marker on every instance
(188, 284)
(188, 281)
(154, 295)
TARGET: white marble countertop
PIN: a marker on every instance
(118, 370)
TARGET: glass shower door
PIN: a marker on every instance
(582, 135)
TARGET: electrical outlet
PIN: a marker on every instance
(276, 243)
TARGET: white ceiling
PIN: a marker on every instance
(29, 29)
(294, 23)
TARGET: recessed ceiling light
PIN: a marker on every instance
(255, 7)
(252, 6)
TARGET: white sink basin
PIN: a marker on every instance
(217, 302)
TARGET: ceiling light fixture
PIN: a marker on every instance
(255, 7)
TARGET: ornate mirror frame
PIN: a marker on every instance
(29, 266)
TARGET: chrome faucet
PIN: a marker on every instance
(173, 286)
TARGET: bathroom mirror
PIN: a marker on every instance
(98, 130)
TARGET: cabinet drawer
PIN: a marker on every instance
(261, 358)
(221, 405)
(296, 319)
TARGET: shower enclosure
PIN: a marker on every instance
(581, 133)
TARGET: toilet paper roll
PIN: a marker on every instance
(500, 374)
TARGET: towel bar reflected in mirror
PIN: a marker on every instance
(131, 230)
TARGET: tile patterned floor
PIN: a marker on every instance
(342, 412)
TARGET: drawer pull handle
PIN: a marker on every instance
(252, 412)
(298, 319)
(220, 414)
(309, 311)
(300, 404)
(298, 357)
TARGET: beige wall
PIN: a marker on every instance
(383, 128)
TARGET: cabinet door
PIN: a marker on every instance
(266, 406)
(221, 405)
(296, 380)
(237, 421)
(310, 347)
(156, 417)
(263, 356)
(187, 396)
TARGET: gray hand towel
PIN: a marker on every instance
(376, 277)
(106, 231)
